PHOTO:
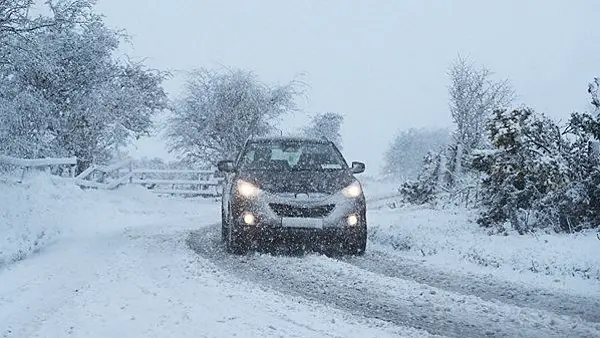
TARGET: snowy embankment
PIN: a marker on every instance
(449, 239)
(44, 209)
(33, 214)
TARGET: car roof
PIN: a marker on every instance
(259, 139)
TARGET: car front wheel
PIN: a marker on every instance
(357, 245)
(237, 243)
(223, 227)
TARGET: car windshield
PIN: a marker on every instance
(292, 156)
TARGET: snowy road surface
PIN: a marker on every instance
(159, 270)
(376, 286)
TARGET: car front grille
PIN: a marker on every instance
(285, 210)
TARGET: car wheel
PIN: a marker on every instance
(223, 226)
(236, 242)
(361, 244)
(357, 245)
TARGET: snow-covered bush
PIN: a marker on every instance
(539, 175)
(433, 179)
(528, 172)
(526, 168)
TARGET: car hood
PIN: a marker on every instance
(327, 182)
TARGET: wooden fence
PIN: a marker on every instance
(204, 183)
(188, 183)
(65, 167)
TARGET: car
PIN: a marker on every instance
(286, 190)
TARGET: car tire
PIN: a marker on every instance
(237, 243)
(358, 242)
(357, 245)
(224, 227)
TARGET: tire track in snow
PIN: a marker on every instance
(372, 294)
(487, 287)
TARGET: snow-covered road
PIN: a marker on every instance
(146, 282)
(379, 286)
(156, 268)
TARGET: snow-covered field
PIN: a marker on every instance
(127, 263)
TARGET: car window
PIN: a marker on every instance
(280, 155)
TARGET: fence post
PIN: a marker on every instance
(130, 172)
(200, 186)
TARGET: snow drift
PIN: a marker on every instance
(44, 209)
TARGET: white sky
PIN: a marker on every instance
(380, 63)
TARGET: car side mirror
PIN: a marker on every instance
(357, 167)
(226, 166)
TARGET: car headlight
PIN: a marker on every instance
(353, 190)
(247, 189)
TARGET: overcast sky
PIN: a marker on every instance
(381, 63)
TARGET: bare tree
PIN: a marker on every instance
(473, 98)
(326, 125)
(221, 109)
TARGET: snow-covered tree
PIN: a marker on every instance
(473, 97)
(16, 20)
(13, 16)
(221, 109)
(404, 157)
(63, 93)
(326, 125)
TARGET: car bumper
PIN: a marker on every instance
(265, 236)
(273, 224)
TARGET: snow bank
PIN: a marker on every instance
(43, 209)
(448, 238)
